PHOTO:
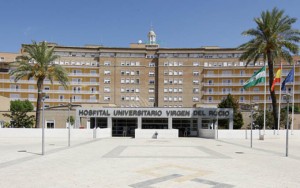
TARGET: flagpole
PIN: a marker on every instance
(279, 109)
(265, 97)
(293, 104)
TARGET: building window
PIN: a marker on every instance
(195, 73)
(196, 90)
(255, 89)
(107, 63)
(106, 98)
(151, 99)
(195, 99)
(151, 90)
(106, 89)
(255, 98)
(151, 73)
(210, 99)
(107, 72)
(196, 82)
(195, 64)
(241, 99)
(151, 82)
(151, 64)
(107, 80)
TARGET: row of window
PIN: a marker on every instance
(130, 81)
(200, 55)
(173, 98)
(129, 73)
(173, 90)
(130, 90)
(173, 81)
(171, 73)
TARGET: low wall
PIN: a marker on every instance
(53, 133)
(161, 133)
(206, 133)
(255, 133)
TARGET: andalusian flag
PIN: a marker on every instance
(276, 79)
(257, 78)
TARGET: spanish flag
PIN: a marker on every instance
(276, 79)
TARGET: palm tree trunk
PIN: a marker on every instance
(273, 96)
(39, 103)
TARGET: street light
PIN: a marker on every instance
(254, 107)
(43, 126)
(216, 124)
(69, 123)
(287, 98)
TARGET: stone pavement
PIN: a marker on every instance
(142, 163)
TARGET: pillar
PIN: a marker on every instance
(109, 122)
(139, 122)
(170, 123)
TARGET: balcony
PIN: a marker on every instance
(241, 92)
(47, 82)
(84, 74)
(48, 91)
(60, 100)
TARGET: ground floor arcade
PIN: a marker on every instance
(124, 122)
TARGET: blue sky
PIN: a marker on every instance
(117, 23)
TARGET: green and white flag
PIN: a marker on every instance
(257, 78)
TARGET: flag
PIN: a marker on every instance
(276, 79)
(257, 78)
(289, 78)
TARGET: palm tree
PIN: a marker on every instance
(38, 63)
(273, 39)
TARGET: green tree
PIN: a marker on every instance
(42, 66)
(258, 118)
(230, 102)
(18, 115)
(273, 39)
(72, 120)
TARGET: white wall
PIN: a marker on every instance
(255, 133)
(161, 133)
(53, 133)
(206, 133)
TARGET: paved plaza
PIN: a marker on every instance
(149, 163)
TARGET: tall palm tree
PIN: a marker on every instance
(273, 39)
(42, 67)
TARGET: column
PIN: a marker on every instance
(199, 123)
(230, 123)
(170, 123)
(139, 121)
(109, 122)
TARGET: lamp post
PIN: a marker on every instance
(216, 122)
(253, 107)
(287, 98)
(43, 127)
(69, 123)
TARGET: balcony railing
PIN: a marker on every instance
(48, 91)
(240, 92)
(59, 100)
(47, 82)
(84, 74)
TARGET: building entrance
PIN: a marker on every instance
(186, 127)
(124, 127)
